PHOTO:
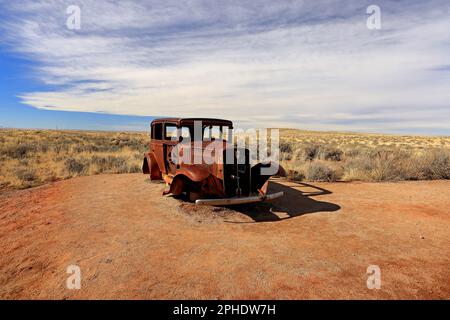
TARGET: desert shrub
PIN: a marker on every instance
(132, 143)
(87, 148)
(383, 165)
(27, 177)
(44, 146)
(357, 169)
(331, 153)
(134, 169)
(436, 165)
(352, 153)
(285, 156)
(318, 171)
(115, 164)
(285, 151)
(26, 174)
(310, 152)
(285, 147)
(295, 175)
(60, 146)
(20, 150)
(74, 166)
(4, 184)
(378, 165)
(307, 152)
(23, 162)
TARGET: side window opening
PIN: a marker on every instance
(170, 132)
(211, 133)
(185, 133)
(157, 131)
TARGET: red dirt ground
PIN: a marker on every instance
(316, 242)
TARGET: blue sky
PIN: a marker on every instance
(300, 64)
(14, 80)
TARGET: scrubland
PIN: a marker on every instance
(33, 157)
(335, 156)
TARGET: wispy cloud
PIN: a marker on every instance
(310, 64)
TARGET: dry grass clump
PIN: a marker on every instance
(33, 157)
(320, 171)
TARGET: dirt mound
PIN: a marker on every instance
(316, 242)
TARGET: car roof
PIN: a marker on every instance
(190, 121)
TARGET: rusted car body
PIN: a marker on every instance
(211, 178)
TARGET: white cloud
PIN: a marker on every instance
(300, 64)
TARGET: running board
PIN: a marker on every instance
(238, 200)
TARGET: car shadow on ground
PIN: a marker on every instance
(296, 202)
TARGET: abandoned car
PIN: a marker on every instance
(197, 157)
